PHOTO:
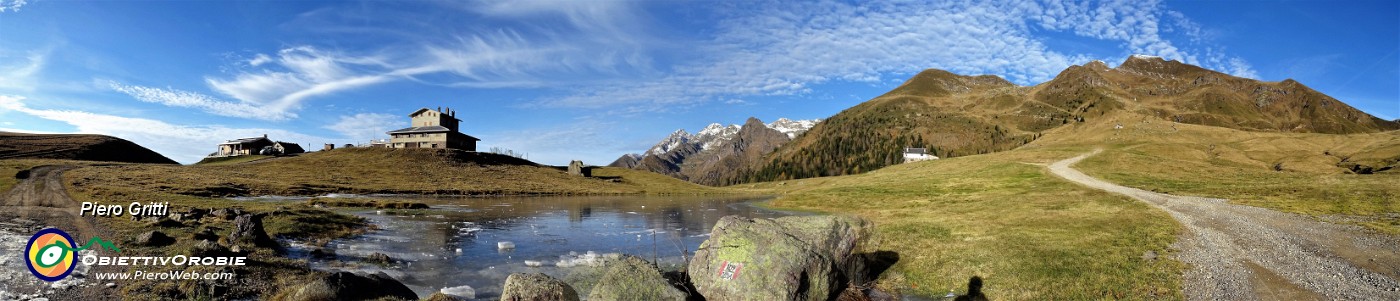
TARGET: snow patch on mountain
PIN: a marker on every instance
(793, 127)
(675, 140)
(717, 134)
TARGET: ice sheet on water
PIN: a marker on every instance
(467, 228)
(592, 259)
(464, 292)
(270, 198)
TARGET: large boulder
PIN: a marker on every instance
(536, 287)
(632, 278)
(248, 229)
(789, 258)
(349, 286)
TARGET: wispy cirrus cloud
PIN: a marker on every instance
(186, 99)
(17, 71)
(276, 88)
(779, 48)
(365, 126)
(600, 39)
(11, 5)
(298, 73)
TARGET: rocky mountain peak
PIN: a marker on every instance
(675, 140)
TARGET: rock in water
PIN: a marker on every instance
(349, 286)
(379, 258)
(632, 278)
(789, 258)
(248, 228)
(536, 287)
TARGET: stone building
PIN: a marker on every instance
(432, 129)
(254, 146)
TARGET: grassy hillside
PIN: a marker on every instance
(76, 147)
(926, 111)
(1031, 235)
(1295, 172)
(956, 115)
(1034, 236)
(231, 160)
(369, 170)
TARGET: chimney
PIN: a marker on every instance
(439, 109)
(264, 136)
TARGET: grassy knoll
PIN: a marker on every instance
(374, 170)
(230, 160)
(1289, 172)
(1032, 236)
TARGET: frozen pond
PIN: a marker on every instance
(457, 242)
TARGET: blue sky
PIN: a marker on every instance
(592, 80)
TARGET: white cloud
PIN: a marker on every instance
(587, 140)
(300, 73)
(1238, 67)
(607, 20)
(11, 5)
(186, 99)
(17, 73)
(186, 144)
(259, 59)
(786, 48)
(363, 127)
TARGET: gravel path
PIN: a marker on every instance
(1240, 252)
(37, 202)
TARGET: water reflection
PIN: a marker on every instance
(456, 243)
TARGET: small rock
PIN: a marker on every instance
(379, 258)
(248, 228)
(154, 239)
(320, 252)
(205, 234)
(206, 248)
(110, 285)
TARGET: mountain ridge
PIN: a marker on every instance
(955, 115)
(705, 157)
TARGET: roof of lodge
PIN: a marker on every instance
(244, 140)
(428, 129)
(421, 129)
(291, 147)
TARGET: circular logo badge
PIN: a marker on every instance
(50, 254)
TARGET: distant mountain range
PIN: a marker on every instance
(956, 115)
(712, 154)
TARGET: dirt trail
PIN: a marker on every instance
(1240, 252)
(39, 201)
(42, 197)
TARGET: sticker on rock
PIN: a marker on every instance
(729, 270)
